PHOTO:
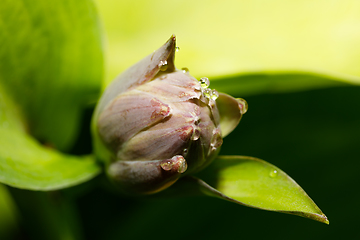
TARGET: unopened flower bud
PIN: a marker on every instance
(155, 123)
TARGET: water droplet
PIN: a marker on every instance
(207, 92)
(196, 120)
(182, 165)
(185, 152)
(177, 49)
(196, 134)
(273, 173)
(243, 105)
(166, 165)
(216, 140)
(163, 65)
(204, 82)
(185, 70)
(214, 94)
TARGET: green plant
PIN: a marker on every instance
(51, 70)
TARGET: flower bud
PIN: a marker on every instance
(155, 123)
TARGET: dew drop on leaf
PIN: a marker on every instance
(216, 140)
(196, 134)
(167, 165)
(163, 65)
(273, 173)
(214, 94)
(183, 166)
(243, 105)
(204, 82)
(207, 92)
(185, 70)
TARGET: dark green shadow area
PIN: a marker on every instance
(312, 135)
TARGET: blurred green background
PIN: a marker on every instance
(297, 65)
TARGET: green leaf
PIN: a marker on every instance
(230, 111)
(10, 114)
(230, 37)
(255, 183)
(51, 63)
(9, 214)
(278, 82)
(24, 163)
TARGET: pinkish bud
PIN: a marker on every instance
(155, 123)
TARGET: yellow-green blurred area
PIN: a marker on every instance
(229, 37)
(296, 63)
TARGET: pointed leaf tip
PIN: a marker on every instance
(314, 216)
(140, 73)
(255, 183)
